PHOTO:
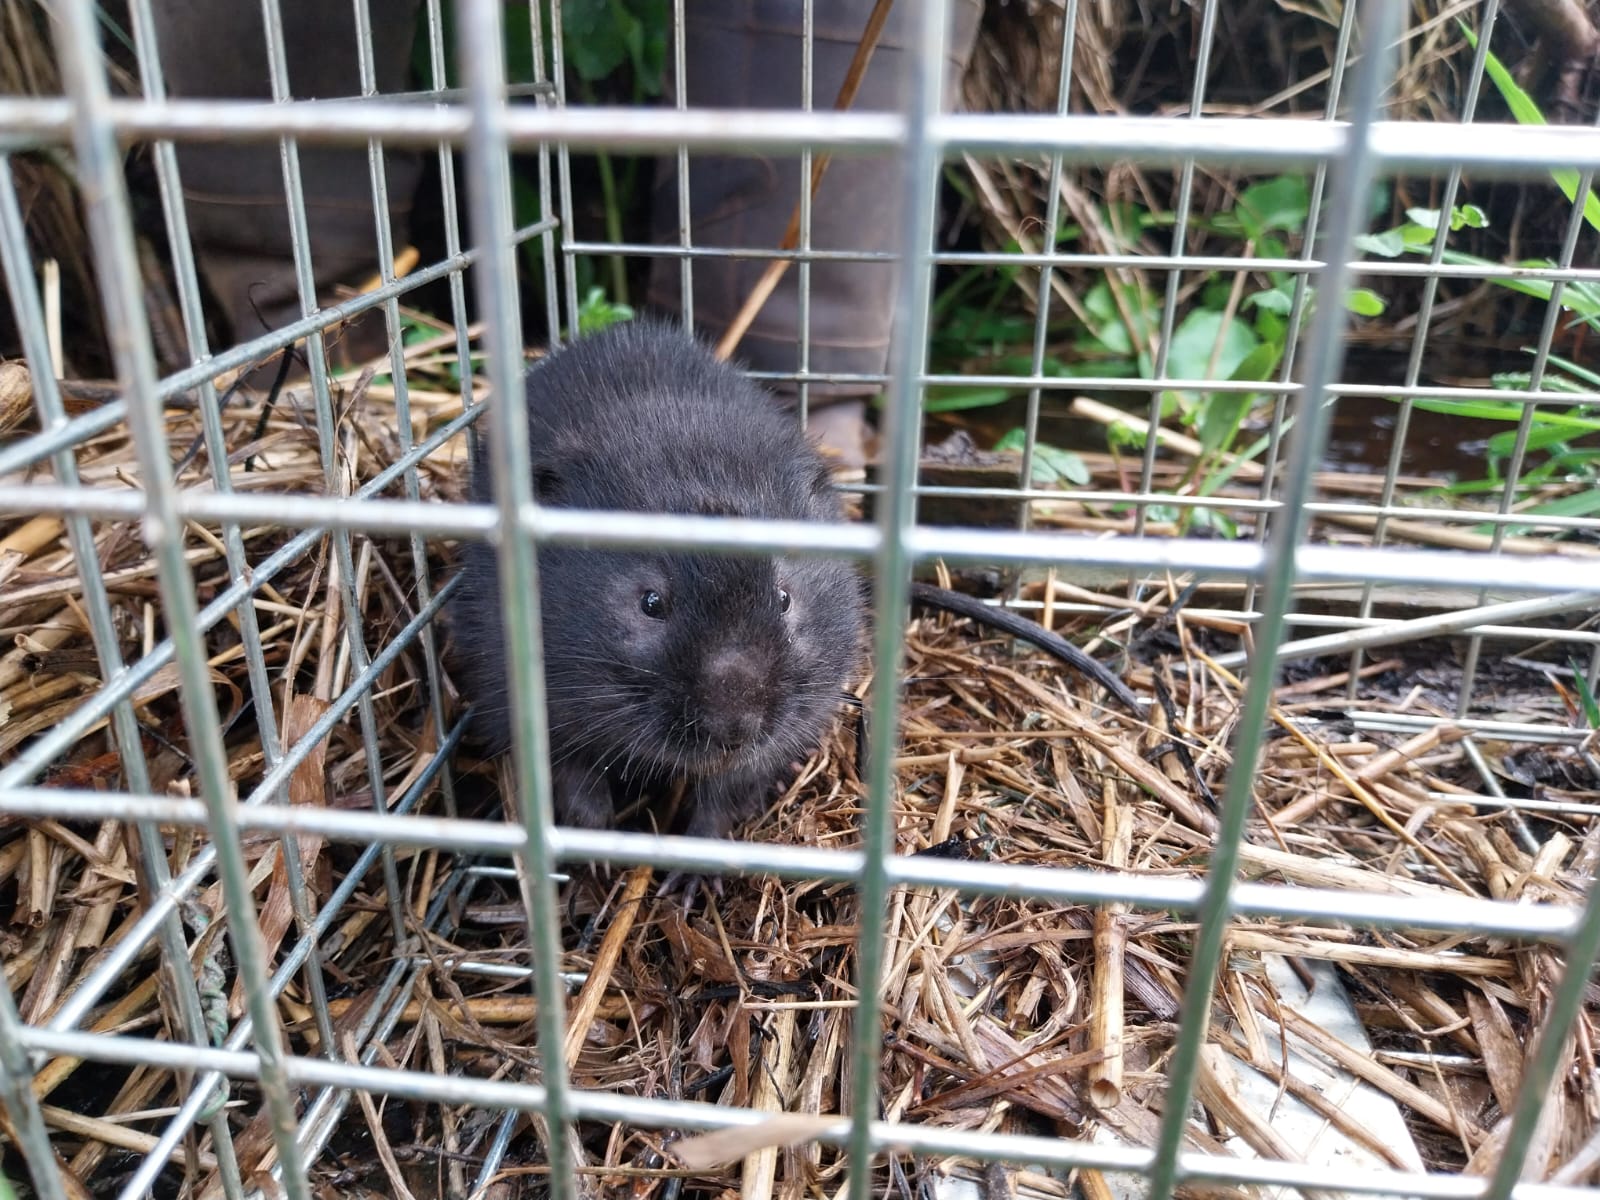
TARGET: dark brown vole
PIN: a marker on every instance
(720, 670)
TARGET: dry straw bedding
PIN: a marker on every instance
(1001, 1014)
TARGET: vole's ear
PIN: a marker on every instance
(548, 485)
(822, 479)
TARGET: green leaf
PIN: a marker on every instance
(1220, 418)
(519, 44)
(1123, 435)
(1221, 413)
(1107, 324)
(1211, 518)
(1428, 218)
(1526, 112)
(1099, 304)
(1050, 463)
(1283, 203)
(1278, 301)
(1364, 302)
(649, 48)
(1214, 483)
(1391, 243)
(1576, 297)
(1579, 504)
(1064, 464)
(1270, 327)
(1502, 444)
(1497, 410)
(1575, 465)
(1011, 439)
(1215, 293)
(955, 399)
(597, 313)
(1592, 378)
(1518, 101)
(1586, 699)
(603, 35)
(1522, 381)
(1196, 339)
(595, 39)
(1258, 366)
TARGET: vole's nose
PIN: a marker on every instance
(736, 690)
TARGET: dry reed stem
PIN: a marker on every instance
(1309, 1094)
(1104, 1078)
(772, 1084)
(587, 1004)
(1446, 536)
(1001, 1012)
(1362, 1066)
(133, 1096)
(380, 1141)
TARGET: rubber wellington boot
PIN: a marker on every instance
(748, 54)
(234, 192)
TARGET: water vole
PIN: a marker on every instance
(719, 670)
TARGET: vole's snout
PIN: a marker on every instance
(735, 692)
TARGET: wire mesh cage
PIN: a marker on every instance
(1271, 321)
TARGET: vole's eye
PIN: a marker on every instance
(783, 600)
(653, 604)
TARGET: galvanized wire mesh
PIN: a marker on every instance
(1343, 155)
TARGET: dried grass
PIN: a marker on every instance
(1002, 1014)
(48, 195)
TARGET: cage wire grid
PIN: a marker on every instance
(1344, 154)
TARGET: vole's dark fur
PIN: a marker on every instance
(726, 684)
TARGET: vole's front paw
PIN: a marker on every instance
(684, 888)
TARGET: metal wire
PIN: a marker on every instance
(1490, 151)
(1344, 156)
(1297, 310)
(664, 1114)
(116, 268)
(1381, 24)
(1044, 291)
(1430, 294)
(1180, 234)
(130, 748)
(482, 60)
(892, 572)
(1421, 909)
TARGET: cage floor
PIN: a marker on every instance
(1003, 1014)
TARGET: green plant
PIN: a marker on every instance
(597, 312)
(1230, 332)
(1051, 464)
(599, 38)
(1421, 227)
(1554, 431)
(1586, 698)
(602, 36)
(1526, 112)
